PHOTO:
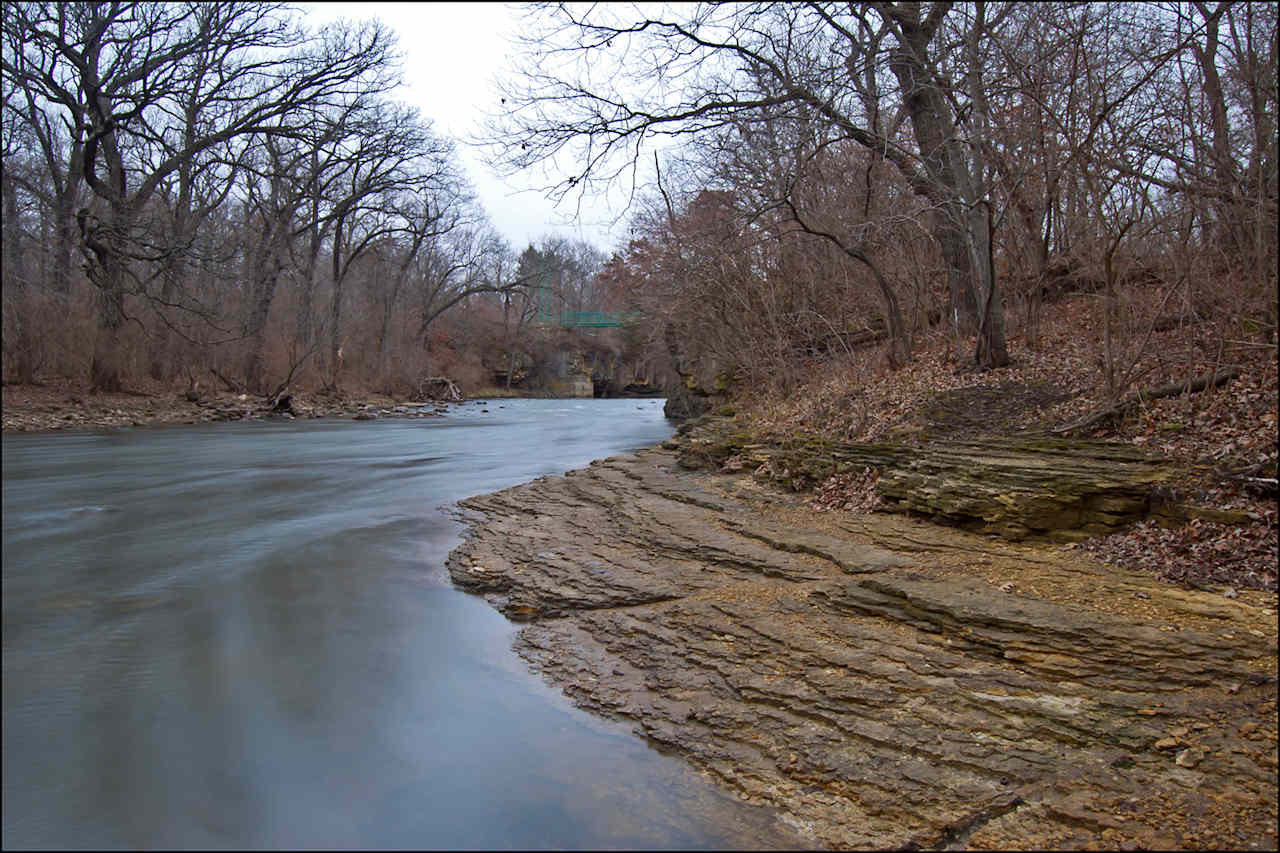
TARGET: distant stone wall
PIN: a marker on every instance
(583, 368)
(566, 375)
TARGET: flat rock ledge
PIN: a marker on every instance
(1060, 489)
(881, 681)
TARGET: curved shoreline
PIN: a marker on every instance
(882, 681)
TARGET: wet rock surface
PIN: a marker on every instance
(882, 681)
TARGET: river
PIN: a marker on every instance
(243, 635)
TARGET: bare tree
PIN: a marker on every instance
(391, 154)
(752, 63)
(117, 72)
(426, 216)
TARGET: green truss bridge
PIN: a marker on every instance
(592, 319)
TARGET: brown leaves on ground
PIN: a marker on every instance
(852, 491)
(1197, 554)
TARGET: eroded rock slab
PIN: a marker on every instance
(884, 682)
(1013, 487)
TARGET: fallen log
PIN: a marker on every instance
(1116, 411)
(1252, 478)
(232, 386)
(439, 388)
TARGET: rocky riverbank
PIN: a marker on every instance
(883, 681)
(29, 408)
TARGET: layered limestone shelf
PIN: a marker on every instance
(882, 681)
(1055, 488)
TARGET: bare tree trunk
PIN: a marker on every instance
(335, 310)
(963, 301)
(162, 366)
(384, 330)
(107, 371)
(255, 328)
(1233, 231)
(106, 271)
(899, 343)
(63, 251)
(267, 266)
(15, 282)
(962, 229)
(384, 351)
(173, 279)
(307, 278)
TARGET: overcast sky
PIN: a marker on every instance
(453, 53)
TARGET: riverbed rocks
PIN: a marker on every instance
(883, 681)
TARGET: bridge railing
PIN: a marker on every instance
(572, 319)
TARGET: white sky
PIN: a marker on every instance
(453, 54)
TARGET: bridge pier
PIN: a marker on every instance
(568, 375)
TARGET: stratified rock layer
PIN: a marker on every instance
(886, 682)
(1063, 489)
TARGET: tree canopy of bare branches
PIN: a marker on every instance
(1029, 135)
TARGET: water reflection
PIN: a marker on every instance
(243, 636)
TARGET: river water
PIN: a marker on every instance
(243, 635)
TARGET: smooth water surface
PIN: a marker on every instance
(243, 635)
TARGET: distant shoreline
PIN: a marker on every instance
(47, 409)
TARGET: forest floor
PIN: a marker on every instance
(1226, 435)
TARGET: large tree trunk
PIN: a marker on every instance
(65, 233)
(107, 372)
(992, 350)
(1221, 171)
(335, 340)
(173, 275)
(106, 272)
(306, 282)
(384, 348)
(961, 225)
(964, 304)
(64, 248)
(335, 308)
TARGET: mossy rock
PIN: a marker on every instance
(1010, 487)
